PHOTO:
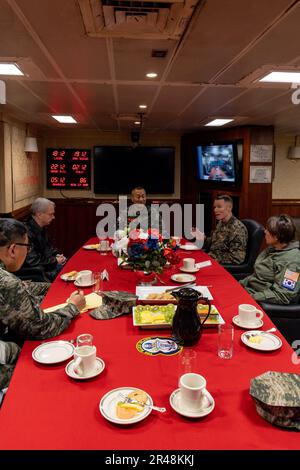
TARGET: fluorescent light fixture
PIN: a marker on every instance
(218, 122)
(137, 122)
(8, 68)
(151, 75)
(143, 106)
(65, 119)
(281, 77)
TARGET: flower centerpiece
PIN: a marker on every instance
(145, 251)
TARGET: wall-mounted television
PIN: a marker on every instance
(119, 169)
(68, 168)
(220, 163)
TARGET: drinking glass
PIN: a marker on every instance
(225, 341)
(85, 339)
(98, 286)
(187, 362)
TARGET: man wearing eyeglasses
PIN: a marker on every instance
(20, 314)
(42, 253)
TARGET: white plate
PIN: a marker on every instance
(257, 324)
(65, 277)
(53, 352)
(100, 366)
(269, 342)
(142, 292)
(175, 403)
(183, 278)
(189, 247)
(108, 405)
(191, 270)
(90, 247)
(79, 284)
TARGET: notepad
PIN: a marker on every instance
(93, 300)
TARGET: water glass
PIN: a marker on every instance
(98, 286)
(187, 361)
(85, 339)
(225, 341)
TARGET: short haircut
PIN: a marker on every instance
(138, 188)
(11, 231)
(282, 227)
(40, 204)
(225, 198)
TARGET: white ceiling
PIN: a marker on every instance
(100, 79)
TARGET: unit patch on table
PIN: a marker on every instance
(155, 345)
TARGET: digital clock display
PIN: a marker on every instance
(68, 168)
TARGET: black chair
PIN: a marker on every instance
(286, 318)
(36, 274)
(255, 238)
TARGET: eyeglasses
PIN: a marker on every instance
(25, 244)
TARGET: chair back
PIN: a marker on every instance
(255, 238)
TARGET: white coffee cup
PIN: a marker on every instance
(192, 388)
(84, 277)
(188, 263)
(249, 315)
(84, 360)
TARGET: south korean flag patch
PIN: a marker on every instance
(290, 280)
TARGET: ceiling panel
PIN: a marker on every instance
(97, 98)
(175, 98)
(19, 96)
(205, 51)
(130, 96)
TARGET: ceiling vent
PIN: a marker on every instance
(161, 54)
(140, 19)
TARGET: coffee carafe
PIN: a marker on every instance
(187, 326)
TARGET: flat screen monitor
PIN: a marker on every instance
(219, 163)
(68, 168)
(120, 169)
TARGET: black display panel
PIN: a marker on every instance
(68, 168)
(120, 169)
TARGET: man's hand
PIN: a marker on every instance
(200, 236)
(78, 299)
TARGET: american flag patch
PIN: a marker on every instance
(291, 275)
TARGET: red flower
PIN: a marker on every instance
(154, 233)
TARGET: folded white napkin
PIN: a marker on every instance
(203, 264)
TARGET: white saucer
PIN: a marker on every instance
(90, 247)
(189, 247)
(249, 326)
(175, 403)
(79, 284)
(100, 366)
(191, 270)
(269, 342)
(53, 352)
(183, 278)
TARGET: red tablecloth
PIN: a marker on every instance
(45, 409)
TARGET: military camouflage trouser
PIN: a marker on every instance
(9, 353)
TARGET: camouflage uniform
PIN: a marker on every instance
(20, 314)
(9, 353)
(147, 219)
(276, 275)
(228, 242)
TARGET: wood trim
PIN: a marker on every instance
(286, 202)
(22, 213)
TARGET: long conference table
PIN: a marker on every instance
(46, 409)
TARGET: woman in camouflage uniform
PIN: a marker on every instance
(276, 271)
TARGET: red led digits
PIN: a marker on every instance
(71, 167)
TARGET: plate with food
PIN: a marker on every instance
(71, 276)
(162, 295)
(189, 247)
(260, 340)
(94, 246)
(161, 316)
(115, 408)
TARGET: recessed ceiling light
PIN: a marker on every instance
(218, 122)
(65, 119)
(137, 122)
(9, 69)
(151, 75)
(142, 106)
(281, 77)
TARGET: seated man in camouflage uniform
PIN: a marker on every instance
(9, 353)
(148, 216)
(276, 276)
(20, 314)
(228, 242)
